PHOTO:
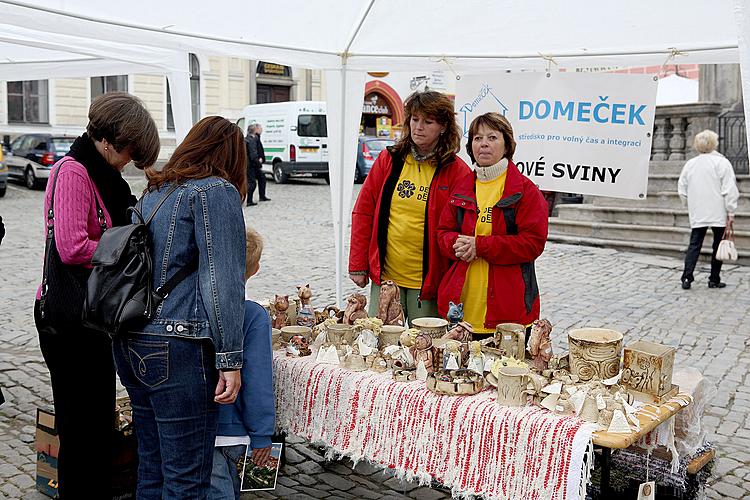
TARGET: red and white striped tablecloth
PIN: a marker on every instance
(469, 444)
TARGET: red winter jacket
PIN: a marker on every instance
(519, 232)
(371, 213)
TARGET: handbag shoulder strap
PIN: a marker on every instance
(138, 209)
(51, 211)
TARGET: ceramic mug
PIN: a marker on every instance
(510, 338)
(337, 333)
(511, 385)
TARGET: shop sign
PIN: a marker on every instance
(375, 105)
(267, 68)
(586, 132)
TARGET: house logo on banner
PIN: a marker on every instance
(467, 109)
(586, 133)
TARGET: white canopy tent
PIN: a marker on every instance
(348, 38)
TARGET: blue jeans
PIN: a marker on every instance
(225, 476)
(171, 383)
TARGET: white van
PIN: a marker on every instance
(294, 137)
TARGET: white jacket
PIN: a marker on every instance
(707, 184)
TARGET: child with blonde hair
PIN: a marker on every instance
(250, 420)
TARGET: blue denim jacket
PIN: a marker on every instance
(202, 216)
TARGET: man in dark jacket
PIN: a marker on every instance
(256, 156)
(252, 161)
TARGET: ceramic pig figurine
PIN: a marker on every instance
(355, 308)
(306, 314)
(279, 307)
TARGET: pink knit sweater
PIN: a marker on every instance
(77, 229)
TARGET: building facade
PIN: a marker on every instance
(218, 86)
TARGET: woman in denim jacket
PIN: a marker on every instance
(187, 358)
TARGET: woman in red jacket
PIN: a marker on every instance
(493, 229)
(395, 218)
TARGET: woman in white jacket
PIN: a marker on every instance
(708, 186)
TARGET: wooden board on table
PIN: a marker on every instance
(662, 412)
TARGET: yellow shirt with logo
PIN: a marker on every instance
(404, 249)
(474, 293)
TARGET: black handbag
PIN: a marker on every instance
(63, 285)
(119, 295)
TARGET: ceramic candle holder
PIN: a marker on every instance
(594, 353)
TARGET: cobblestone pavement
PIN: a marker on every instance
(636, 294)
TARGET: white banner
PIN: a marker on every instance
(587, 133)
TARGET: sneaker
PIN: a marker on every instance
(717, 284)
(265, 199)
(686, 285)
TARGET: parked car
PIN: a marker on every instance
(3, 174)
(367, 152)
(31, 156)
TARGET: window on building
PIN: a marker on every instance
(195, 87)
(195, 93)
(170, 116)
(103, 84)
(28, 101)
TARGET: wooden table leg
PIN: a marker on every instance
(606, 465)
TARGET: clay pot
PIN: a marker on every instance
(434, 327)
(390, 335)
(594, 353)
(288, 332)
(337, 333)
(511, 385)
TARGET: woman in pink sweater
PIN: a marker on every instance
(90, 196)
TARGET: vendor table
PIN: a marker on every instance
(650, 417)
(467, 443)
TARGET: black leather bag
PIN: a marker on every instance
(63, 286)
(119, 293)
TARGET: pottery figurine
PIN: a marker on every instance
(279, 308)
(305, 313)
(355, 308)
(389, 304)
(423, 351)
(476, 358)
(594, 353)
(452, 355)
(455, 312)
(461, 332)
(540, 345)
(298, 346)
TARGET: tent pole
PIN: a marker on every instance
(340, 200)
(742, 16)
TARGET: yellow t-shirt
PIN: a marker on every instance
(403, 257)
(474, 293)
